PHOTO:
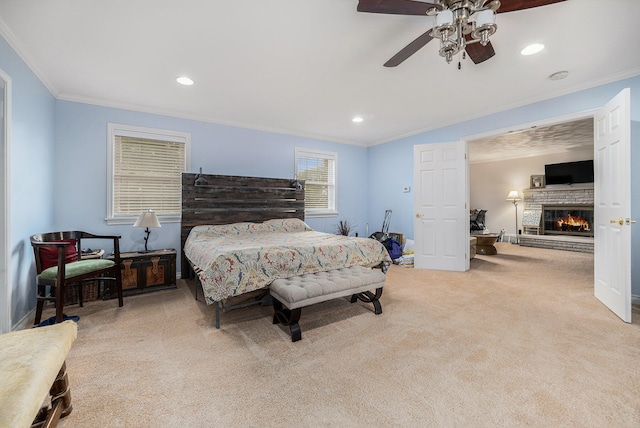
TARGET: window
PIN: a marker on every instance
(319, 171)
(145, 171)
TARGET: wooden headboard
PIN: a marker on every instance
(224, 199)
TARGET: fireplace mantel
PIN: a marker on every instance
(534, 199)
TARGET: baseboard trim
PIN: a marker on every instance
(635, 299)
(26, 321)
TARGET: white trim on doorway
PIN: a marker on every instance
(5, 235)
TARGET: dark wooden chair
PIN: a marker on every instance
(59, 265)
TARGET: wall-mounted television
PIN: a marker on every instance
(569, 172)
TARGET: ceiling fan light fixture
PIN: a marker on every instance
(532, 49)
(443, 25)
(448, 50)
(461, 23)
(444, 17)
(485, 26)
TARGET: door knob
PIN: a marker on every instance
(629, 221)
(418, 215)
(620, 221)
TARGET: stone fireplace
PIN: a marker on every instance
(567, 218)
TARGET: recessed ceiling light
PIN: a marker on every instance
(532, 49)
(184, 80)
(559, 75)
(357, 119)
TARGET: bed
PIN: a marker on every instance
(242, 257)
(240, 233)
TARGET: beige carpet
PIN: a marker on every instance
(519, 340)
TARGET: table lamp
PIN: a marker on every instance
(147, 219)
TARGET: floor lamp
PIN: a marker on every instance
(514, 197)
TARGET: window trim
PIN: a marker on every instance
(312, 153)
(116, 129)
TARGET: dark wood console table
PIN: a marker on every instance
(148, 271)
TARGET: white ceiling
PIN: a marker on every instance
(571, 136)
(306, 67)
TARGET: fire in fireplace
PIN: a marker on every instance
(568, 220)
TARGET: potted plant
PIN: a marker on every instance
(344, 227)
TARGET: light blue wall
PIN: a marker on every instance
(81, 144)
(391, 164)
(31, 181)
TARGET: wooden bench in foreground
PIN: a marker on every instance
(34, 388)
(290, 295)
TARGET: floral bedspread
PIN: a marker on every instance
(237, 258)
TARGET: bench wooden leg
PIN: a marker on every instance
(60, 402)
(285, 316)
(369, 297)
(217, 315)
(61, 393)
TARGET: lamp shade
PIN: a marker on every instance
(513, 196)
(485, 17)
(444, 17)
(147, 219)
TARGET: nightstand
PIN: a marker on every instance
(147, 271)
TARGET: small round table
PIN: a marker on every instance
(484, 244)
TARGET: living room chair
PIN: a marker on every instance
(59, 264)
(477, 220)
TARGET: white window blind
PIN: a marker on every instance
(146, 172)
(319, 171)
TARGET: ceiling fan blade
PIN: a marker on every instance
(399, 7)
(513, 5)
(479, 53)
(409, 50)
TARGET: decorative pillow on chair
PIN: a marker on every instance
(49, 255)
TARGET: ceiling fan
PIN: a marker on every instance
(460, 25)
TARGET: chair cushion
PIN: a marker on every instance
(49, 255)
(77, 268)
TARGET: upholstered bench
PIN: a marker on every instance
(290, 295)
(32, 373)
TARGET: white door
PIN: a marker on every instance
(441, 200)
(612, 253)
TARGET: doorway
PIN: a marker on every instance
(611, 153)
(505, 160)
